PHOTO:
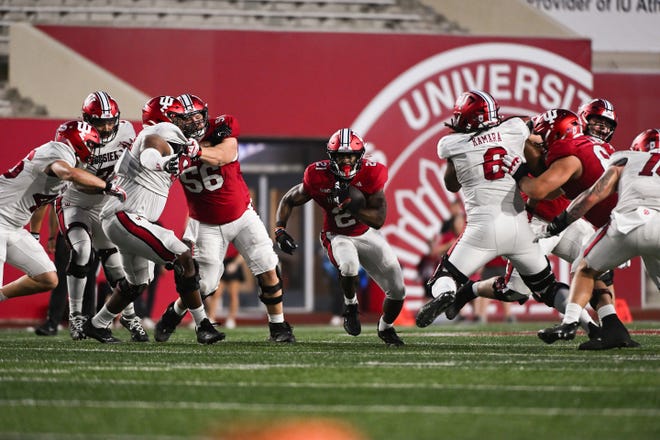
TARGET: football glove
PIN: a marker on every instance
(515, 166)
(555, 227)
(177, 164)
(221, 132)
(112, 189)
(192, 149)
(284, 241)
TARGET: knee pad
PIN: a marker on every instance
(130, 291)
(607, 278)
(596, 294)
(185, 284)
(269, 300)
(446, 269)
(547, 296)
(113, 271)
(540, 282)
(76, 266)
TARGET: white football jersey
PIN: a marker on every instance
(26, 186)
(639, 184)
(146, 189)
(102, 166)
(478, 162)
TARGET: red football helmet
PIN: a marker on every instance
(475, 110)
(80, 136)
(161, 109)
(648, 140)
(345, 150)
(194, 126)
(604, 119)
(101, 111)
(556, 124)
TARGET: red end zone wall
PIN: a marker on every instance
(396, 90)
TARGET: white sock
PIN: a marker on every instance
(76, 292)
(129, 310)
(103, 318)
(276, 318)
(382, 325)
(179, 311)
(572, 314)
(442, 285)
(475, 288)
(198, 314)
(606, 311)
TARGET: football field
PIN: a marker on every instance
(495, 381)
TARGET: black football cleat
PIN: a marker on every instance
(565, 332)
(134, 326)
(595, 331)
(613, 334)
(352, 320)
(76, 321)
(281, 332)
(167, 324)
(48, 328)
(434, 308)
(103, 335)
(463, 296)
(390, 337)
(207, 334)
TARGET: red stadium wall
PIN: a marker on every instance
(396, 90)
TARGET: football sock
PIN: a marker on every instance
(572, 314)
(103, 318)
(276, 318)
(129, 310)
(198, 314)
(76, 291)
(382, 325)
(178, 310)
(606, 311)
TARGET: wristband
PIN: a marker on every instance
(522, 171)
(280, 224)
(108, 187)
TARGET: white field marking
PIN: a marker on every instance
(87, 436)
(351, 409)
(330, 385)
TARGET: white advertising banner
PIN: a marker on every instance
(612, 25)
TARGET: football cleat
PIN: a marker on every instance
(565, 332)
(281, 332)
(352, 320)
(595, 331)
(167, 324)
(48, 328)
(76, 321)
(390, 337)
(463, 296)
(434, 308)
(207, 334)
(103, 335)
(134, 326)
(608, 343)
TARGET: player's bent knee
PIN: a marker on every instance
(130, 291)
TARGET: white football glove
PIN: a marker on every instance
(511, 163)
(193, 150)
(112, 189)
(176, 164)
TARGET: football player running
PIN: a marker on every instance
(574, 162)
(497, 223)
(634, 229)
(147, 169)
(36, 181)
(221, 212)
(349, 189)
(79, 221)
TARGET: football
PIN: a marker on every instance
(358, 200)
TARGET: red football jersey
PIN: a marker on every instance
(594, 155)
(319, 182)
(216, 195)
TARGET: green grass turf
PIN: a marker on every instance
(496, 381)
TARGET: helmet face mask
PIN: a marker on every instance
(345, 150)
(648, 140)
(598, 119)
(556, 124)
(82, 137)
(195, 120)
(102, 111)
(475, 110)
